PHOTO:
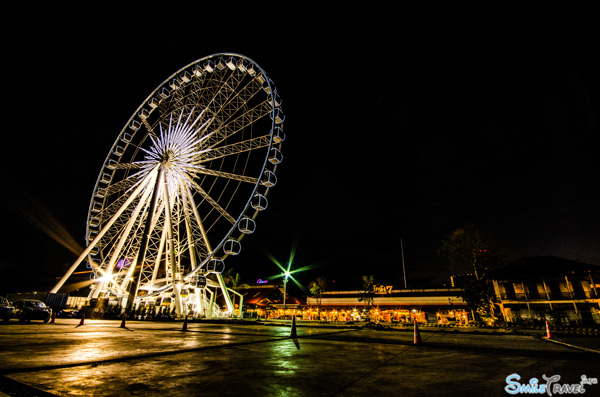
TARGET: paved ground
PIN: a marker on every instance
(148, 358)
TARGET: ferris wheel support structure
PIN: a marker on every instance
(141, 255)
(86, 252)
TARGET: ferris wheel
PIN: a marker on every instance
(182, 185)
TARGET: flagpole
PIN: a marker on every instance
(403, 268)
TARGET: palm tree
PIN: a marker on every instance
(367, 293)
(317, 287)
(234, 281)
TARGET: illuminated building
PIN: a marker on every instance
(438, 306)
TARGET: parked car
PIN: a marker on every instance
(68, 313)
(32, 309)
(6, 310)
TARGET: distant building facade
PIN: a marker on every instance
(549, 288)
(443, 305)
(528, 290)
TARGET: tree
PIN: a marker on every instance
(470, 249)
(480, 298)
(317, 287)
(367, 294)
(234, 281)
(473, 255)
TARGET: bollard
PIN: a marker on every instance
(184, 324)
(123, 320)
(417, 340)
(549, 333)
(53, 318)
(82, 320)
(293, 335)
(293, 329)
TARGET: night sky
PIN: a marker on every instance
(401, 124)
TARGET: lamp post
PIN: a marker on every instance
(286, 275)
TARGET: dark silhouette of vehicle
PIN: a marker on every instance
(6, 309)
(32, 309)
(68, 313)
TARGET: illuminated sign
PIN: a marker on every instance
(382, 289)
(260, 281)
(124, 263)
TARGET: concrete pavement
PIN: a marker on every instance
(151, 358)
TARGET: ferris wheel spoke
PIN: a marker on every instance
(127, 183)
(238, 91)
(196, 236)
(129, 166)
(188, 231)
(238, 124)
(148, 127)
(227, 175)
(236, 148)
(222, 95)
(199, 221)
(212, 202)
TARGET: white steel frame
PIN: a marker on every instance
(182, 185)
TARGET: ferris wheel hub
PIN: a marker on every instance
(168, 157)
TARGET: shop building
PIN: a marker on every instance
(266, 301)
(536, 289)
(440, 306)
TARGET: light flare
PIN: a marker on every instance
(287, 273)
(38, 216)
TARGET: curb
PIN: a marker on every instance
(570, 345)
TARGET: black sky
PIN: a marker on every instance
(401, 124)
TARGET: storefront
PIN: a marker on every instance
(440, 306)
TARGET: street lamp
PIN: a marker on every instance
(287, 274)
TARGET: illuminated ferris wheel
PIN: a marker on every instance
(182, 185)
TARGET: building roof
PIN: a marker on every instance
(264, 295)
(548, 266)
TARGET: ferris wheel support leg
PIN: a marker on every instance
(141, 256)
(161, 247)
(101, 234)
(178, 303)
(225, 294)
(211, 304)
(197, 302)
(175, 267)
(241, 313)
(117, 251)
(74, 266)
